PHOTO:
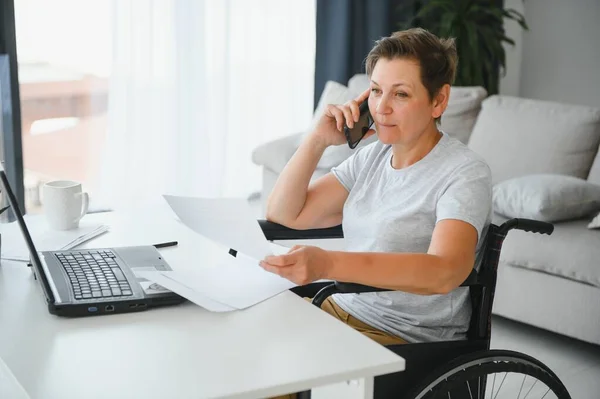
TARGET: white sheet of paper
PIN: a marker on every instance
(228, 221)
(151, 288)
(184, 290)
(137, 270)
(44, 239)
(9, 386)
(235, 282)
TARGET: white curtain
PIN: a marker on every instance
(196, 85)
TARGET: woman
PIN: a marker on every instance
(414, 205)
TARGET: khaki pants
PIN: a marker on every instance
(379, 336)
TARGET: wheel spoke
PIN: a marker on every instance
(449, 383)
(546, 393)
(527, 394)
(500, 386)
(521, 389)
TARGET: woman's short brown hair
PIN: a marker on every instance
(437, 57)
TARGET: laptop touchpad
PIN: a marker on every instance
(136, 257)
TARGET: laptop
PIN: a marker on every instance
(99, 281)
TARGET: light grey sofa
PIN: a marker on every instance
(552, 282)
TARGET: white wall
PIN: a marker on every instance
(559, 55)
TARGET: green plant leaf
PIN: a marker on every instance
(513, 14)
(484, 15)
(478, 26)
(429, 9)
(507, 40)
(473, 53)
(446, 5)
(445, 29)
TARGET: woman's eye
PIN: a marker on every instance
(376, 91)
(400, 94)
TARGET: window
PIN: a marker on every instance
(64, 54)
(136, 99)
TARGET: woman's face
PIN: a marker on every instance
(399, 102)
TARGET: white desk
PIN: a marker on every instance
(281, 345)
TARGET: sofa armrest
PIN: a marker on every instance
(275, 154)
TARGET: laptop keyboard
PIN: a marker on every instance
(94, 274)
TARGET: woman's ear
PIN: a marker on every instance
(440, 102)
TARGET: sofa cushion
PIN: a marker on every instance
(572, 251)
(359, 83)
(519, 136)
(595, 222)
(546, 197)
(333, 93)
(463, 108)
(594, 176)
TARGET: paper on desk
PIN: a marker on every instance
(44, 239)
(9, 385)
(181, 288)
(235, 282)
(228, 221)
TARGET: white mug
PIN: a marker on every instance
(64, 204)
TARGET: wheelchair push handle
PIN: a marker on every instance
(534, 226)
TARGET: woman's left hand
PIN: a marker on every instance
(301, 265)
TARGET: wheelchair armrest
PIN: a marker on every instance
(339, 287)
(353, 288)
(472, 279)
(274, 231)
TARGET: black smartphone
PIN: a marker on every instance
(365, 121)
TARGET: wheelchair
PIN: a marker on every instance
(449, 369)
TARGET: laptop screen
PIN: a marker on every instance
(35, 259)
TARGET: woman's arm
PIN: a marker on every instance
(292, 202)
(447, 263)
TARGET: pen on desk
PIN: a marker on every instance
(166, 244)
(3, 209)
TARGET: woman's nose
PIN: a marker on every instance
(383, 106)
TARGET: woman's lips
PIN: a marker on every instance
(385, 125)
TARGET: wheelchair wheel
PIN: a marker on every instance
(494, 374)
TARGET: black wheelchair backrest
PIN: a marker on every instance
(483, 289)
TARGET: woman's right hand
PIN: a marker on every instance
(330, 128)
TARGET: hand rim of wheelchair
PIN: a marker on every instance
(482, 364)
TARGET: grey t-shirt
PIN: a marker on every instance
(391, 210)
